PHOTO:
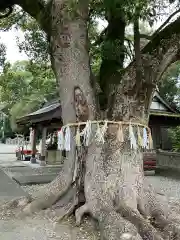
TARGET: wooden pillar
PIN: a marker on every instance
(43, 147)
(33, 145)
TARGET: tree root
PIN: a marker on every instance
(50, 195)
(45, 201)
(113, 226)
(121, 206)
(80, 212)
(66, 206)
(121, 223)
(18, 202)
(56, 189)
(126, 223)
(146, 230)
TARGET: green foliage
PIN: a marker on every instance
(23, 107)
(16, 19)
(169, 85)
(2, 54)
(6, 125)
(95, 51)
(175, 137)
(25, 86)
(35, 43)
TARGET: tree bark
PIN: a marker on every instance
(114, 181)
(70, 59)
(33, 156)
(132, 104)
(113, 53)
(43, 147)
(112, 173)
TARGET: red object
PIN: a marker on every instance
(25, 151)
(149, 161)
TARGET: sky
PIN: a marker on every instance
(13, 54)
(9, 39)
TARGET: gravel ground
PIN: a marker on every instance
(40, 227)
(33, 189)
(166, 185)
(36, 227)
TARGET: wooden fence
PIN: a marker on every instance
(19, 141)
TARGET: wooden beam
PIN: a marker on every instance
(33, 145)
(43, 147)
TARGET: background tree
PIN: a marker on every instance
(175, 137)
(25, 86)
(169, 89)
(169, 86)
(113, 182)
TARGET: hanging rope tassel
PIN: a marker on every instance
(78, 137)
(60, 140)
(99, 136)
(140, 141)
(132, 138)
(67, 140)
(145, 138)
(120, 136)
(150, 140)
(86, 133)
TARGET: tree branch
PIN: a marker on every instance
(130, 44)
(145, 36)
(166, 33)
(129, 54)
(160, 28)
(36, 9)
(100, 39)
(137, 50)
(32, 7)
(10, 10)
(166, 22)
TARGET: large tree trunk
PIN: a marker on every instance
(114, 182)
(70, 60)
(112, 173)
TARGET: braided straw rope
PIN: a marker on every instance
(101, 131)
(109, 122)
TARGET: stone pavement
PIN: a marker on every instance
(23, 172)
(9, 189)
(29, 175)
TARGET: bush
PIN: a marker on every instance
(175, 137)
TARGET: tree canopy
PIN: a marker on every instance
(25, 86)
(169, 85)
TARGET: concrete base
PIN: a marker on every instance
(33, 160)
(18, 156)
(31, 170)
(54, 157)
(34, 179)
(9, 189)
(42, 163)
